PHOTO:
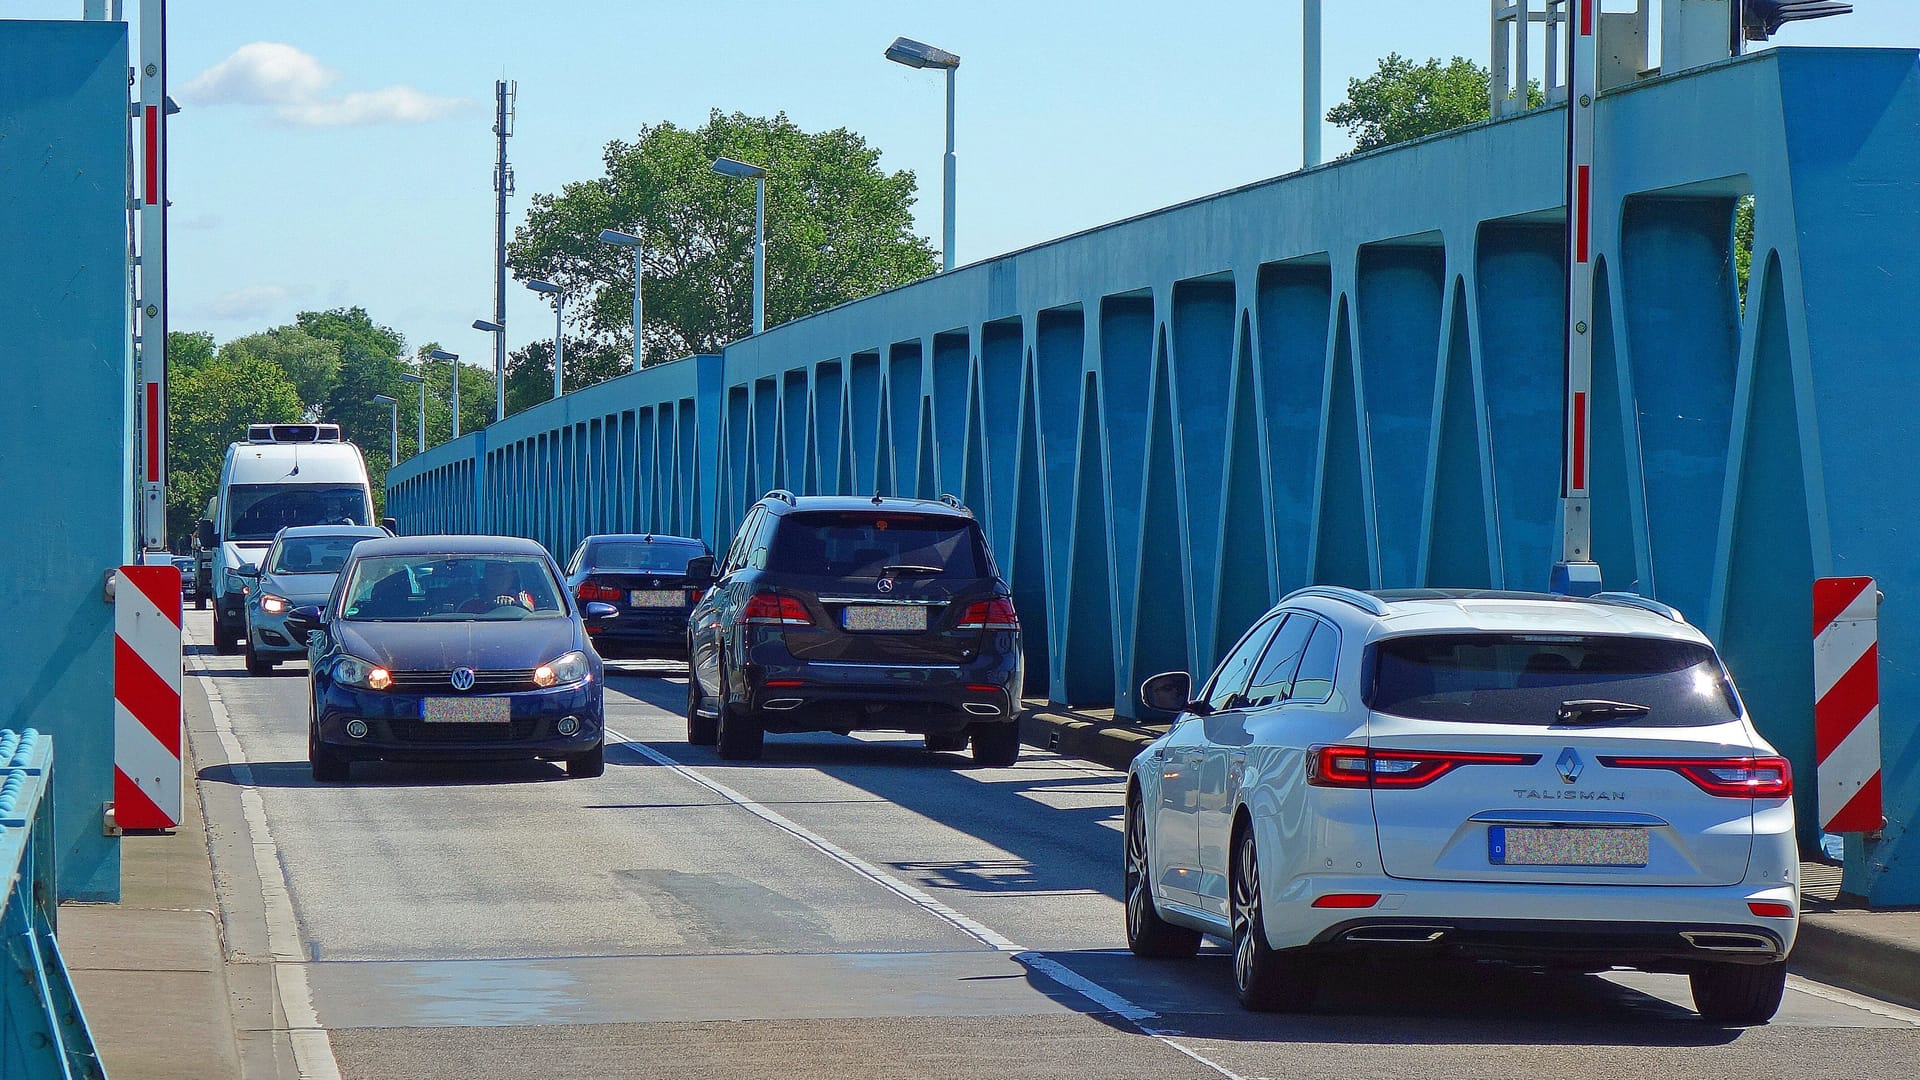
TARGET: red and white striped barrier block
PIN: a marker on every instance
(1846, 709)
(147, 727)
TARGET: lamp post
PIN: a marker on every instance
(740, 170)
(1310, 83)
(488, 326)
(548, 288)
(916, 54)
(393, 427)
(420, 443)
(454, 361)
(629, 240)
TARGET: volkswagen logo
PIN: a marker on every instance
(462, 679)
(1569, 765)
(885, 584)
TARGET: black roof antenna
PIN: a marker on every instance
(876, 498)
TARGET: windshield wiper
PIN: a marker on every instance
(1598, 710)
(909, 568)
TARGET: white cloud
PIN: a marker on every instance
(294, 85)
(392, 105)
(260, 73)
(253, 302)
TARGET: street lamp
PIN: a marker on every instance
(548, 288)
(454, 359)
(628, 240)
(916, 54)
(499, 367)
(740, 170)
(393, 427)
(421, 444)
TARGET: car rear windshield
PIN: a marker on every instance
(652, 556)
(1525, 678)
(862, 544)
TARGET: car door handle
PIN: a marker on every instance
(1194, 756)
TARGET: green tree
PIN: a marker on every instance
(1743, 244)
(188, 350)
(530, 370)
(310, 363)
(1403, 100)
(208, 407)
(838, 227)
(370, 363)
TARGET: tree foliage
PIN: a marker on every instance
(210, 404)
(838, 227)
(311, 364)
(530, 370)
(1403, 100)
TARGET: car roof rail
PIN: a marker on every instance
(783, 495)
(1366, 602)
(947, 499)
(1644, 603)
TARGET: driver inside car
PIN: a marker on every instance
(499, 587)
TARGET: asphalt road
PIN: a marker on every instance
(846, 907)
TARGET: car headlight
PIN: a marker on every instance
(357, 672)
(571, 668)
(274, 605)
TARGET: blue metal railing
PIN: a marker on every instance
(42, 1030)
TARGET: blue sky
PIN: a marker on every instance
(340, 153)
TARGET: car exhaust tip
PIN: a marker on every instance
(1723, 941)
(981, 708)
(785, 704)
(1396, 935)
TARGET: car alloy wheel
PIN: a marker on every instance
(1147, 933)
(1268, 979)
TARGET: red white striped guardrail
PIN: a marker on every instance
(1846, 709)
(147, 728)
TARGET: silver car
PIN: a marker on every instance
(297, 570)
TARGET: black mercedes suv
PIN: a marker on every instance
(840, 613)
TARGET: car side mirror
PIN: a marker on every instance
(392, 525)
(1169, 691)
(248, 569)
(208, 538)
(700, 569)
(597, 610)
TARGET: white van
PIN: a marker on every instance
(284, 474)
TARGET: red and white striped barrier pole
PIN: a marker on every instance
(147, 729)
(1846, 709)
(1576, 572)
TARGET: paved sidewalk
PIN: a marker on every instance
(150, 970)
(1869, 952)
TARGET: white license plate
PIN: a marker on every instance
(1507, 846)
(466, 710)
(657, 598)
(898, 618)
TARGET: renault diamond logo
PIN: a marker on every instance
(462, 679)
(1569, 765)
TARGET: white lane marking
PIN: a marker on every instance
(1884, 1009)
(1104, 999)
(312, 1049)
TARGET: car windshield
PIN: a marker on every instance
(1526, 678)
(451, 588)
(865, 544)
(657, 556)
(312, 554)
(258, 511)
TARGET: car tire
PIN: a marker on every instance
(199, 602)
(740, 737)
(225, 641)
(937, 744)
(328, 766)
(1268, 979)
(257, 664)
(1148, 934)
(701, 730)
(996, 746)
(1739, 994)
(588, 765)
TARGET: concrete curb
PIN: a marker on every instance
(1876, 953)
(1084, 735)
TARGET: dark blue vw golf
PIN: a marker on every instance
(461, 647)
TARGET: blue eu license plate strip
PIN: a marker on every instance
(1576, 846)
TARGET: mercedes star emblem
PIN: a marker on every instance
(885, 584)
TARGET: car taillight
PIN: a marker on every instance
(994, 614)
(1346, 900)
(592, 590)
(1770, 909)
(1362, 767)
(1729, 778)
(772, 609)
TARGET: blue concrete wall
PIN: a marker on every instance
(1353, 374)
(64, 440)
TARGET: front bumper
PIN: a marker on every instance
(269, 635)
(787, 694)
(395, 731)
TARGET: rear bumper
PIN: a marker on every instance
(1644, 945)
(788, 694)
(639, 639)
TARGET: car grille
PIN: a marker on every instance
(419, 731)
(483, 681)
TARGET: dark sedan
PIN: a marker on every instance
(643, 576)
(452, 647)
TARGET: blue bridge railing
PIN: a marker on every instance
(42, 1030)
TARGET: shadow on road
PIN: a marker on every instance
(387, 774)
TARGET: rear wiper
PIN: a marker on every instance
(909, 568)
(1597, 710)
